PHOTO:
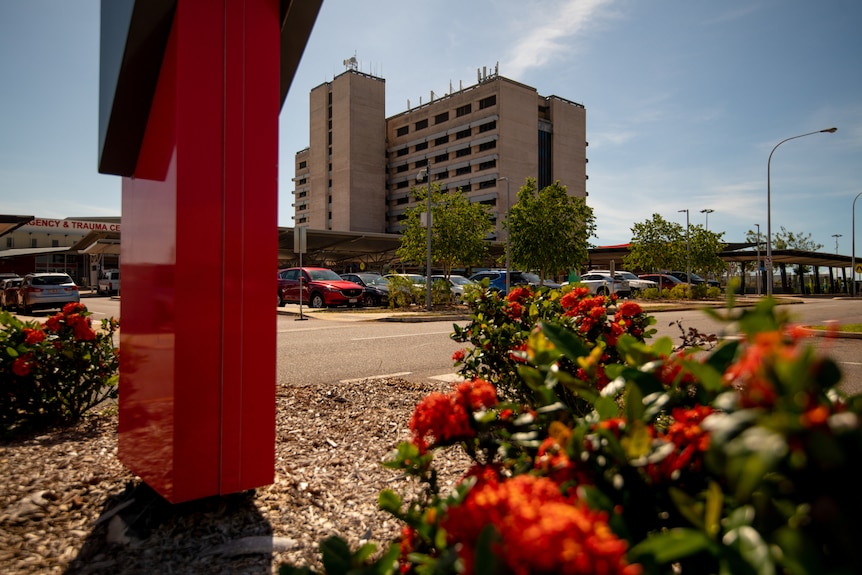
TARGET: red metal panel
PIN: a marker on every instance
(197, 388)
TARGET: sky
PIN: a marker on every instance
(685, 101)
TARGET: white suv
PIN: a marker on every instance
(635, 283)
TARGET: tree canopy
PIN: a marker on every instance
(660, 245)
(549, 230)
(458, 230)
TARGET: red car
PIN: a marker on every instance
(320, 287)
(666, 281)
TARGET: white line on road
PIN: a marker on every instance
(450, 377)
(401, 335)
(382, 376)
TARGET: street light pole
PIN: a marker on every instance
(423, 174)
(836, 236)
(758, 259)
(707, 211)
(769, 204)
(687, 250)
(853, 241)
(508, 231)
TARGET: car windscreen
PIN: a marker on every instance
(375, 280)
(459, 280)
(50, 280)
(323, 275)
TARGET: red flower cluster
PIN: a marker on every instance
(538, 529)
(752, 374)
(23, 365)
(458, 355)
(690, 442)
(33, 336)
(442, 418)
(73, 318)
(515, 302)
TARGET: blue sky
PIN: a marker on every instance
(685, 100)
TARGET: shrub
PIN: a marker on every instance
(402, 292)
(441, 292)
(740, 458)
(680, 291)
(52, 374)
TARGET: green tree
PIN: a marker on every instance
(458, 230)
(787, 240)
(549, 230)
(657, 245)
(705, 247)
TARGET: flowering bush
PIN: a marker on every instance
(51, 374)
(741, 458)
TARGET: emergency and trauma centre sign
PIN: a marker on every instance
(50, 225)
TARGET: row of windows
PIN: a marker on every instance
(34, 243)
(444, 116)
(460, 135)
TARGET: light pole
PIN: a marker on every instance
(853, 242)
(423, 174)
(707, 211)
(758, 259)
(836, 236)
(769, 204)
(687, 250)
(508, 231)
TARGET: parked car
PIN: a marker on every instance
(109, 282)
(457, 284)
(695, 279)
(376, 287)
(318, 287)
(9, 292)
(605, 284)
(497, 279)
(635, 283)
(417, 279)
(46, 290)
(666, 281)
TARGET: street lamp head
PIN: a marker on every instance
(707, 211)
(421, 175)
(830, 130)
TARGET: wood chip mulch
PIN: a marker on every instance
(68, 505)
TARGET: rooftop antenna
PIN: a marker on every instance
(351, 63)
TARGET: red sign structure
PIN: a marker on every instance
(189, 117)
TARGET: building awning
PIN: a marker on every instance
(97, 242)
(18, 252)
(9, 223)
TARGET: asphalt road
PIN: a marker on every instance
(339, 350)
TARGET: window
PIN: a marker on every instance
(488, 127)
(402, 152)
(488, 165)
(10, 243)
(301, 207)
(487, 184)
(462, 152)
(303, 164)
(402, 131)
(488, 145)
(403, 200)
(466, 187)
(421, 163)
(440, 118)
(422, 146)
(302, 181)
(463, 134)
(488, 102)
(463, 110)
(443, 175)
(441, 158)
(401, 185)
(33, 243)
(462, 171)
(302, 194)
(421, 124)
(402, 168)
(301, 220)
(441, 140)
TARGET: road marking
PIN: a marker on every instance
(321, 328)
(402, 335)
(845, 362)
(383, 376)
(448, 377)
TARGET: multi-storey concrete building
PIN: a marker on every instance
(486, 139)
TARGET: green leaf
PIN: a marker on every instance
(390, 501)
(11, 352)
(336, 556)
(673, 545)
(566, 341)
(487, 562)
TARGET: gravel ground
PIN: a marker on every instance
(67, 504)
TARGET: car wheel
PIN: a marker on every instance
(317, 301)
(602, 291)
(368, 300)
(281, 302)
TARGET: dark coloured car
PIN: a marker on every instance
(46, 291)
(376, 287)
(9, 292)
(497, 279)
(695, 279)
(317, 287)
(666, 281)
